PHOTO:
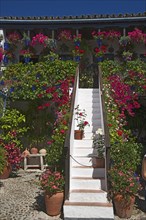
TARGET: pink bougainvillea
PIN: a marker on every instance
(39, 39)
(123, 96)
(13, 154)
(137, 35)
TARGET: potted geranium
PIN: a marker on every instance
(99, 36)
(124, 41)
(98, 156)
(137, 36)
(53, 183)
(127, 55)
(111, 35)
(77, 39)
(99, 52)
(26, 53)
(78, 53)
(124, 186)
(39, 39)
(13, 37)
(65, 35)
(80, 116)
(26, 39)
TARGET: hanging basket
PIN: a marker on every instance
(78, 134)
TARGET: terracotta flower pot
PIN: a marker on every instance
(42, 151)
(34, 150)
(25, 153)
(54, 203)
(98, 162)
(78, 134)
(123, 207)
(6, 172)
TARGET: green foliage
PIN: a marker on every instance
(29, 80)
(110, 67)
(125, 152)
(98, 143)
(55, 154)
(12, 126)
(3, 159)
(126, 155)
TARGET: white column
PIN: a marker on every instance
(124, 31)
(2, 33)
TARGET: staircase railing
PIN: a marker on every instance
(68, 138)
(105, 125)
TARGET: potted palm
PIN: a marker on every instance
(98, 156)
(52, 183)
(80, 116)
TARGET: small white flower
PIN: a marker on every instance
(99, 131)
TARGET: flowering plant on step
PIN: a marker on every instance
(98, 142)
(80, 116)
(52, 181)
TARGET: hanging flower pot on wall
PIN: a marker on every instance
(99, 42)
(77, 58)
(26, 42)
(5, 60)
(26, 59)
(77, 43)
(99, 59)
(6, 46)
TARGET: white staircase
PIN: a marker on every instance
(87, 198)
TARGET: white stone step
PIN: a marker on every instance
(88, 196)
(88, 172)
(88, 135)
(88, 102)
(84, 152)
(88, 91)
(85, 184)
(83, 143)
(85, 105)
(75, 211)
(83, 161)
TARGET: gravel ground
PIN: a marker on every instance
(27, 203)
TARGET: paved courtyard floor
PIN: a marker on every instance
(21, 198)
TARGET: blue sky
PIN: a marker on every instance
(69, 7)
